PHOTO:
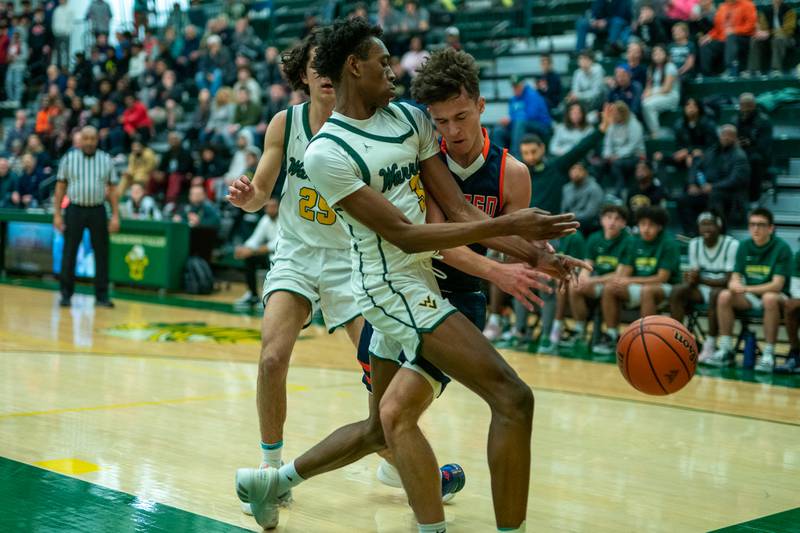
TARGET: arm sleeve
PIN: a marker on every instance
(332, 171)
(626, 257)
(672, 258)
(730, 257)
(784, 262)
(428, 147)
(62, 167)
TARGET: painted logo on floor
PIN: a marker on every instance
(183, 332)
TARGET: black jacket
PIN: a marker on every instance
(726, 169)
(756, 132)
(702, 135)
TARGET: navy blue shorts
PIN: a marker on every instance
(471, 304)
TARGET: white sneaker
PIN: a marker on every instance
(722, 358)
(765, 363)
(283, 500)
(492, 331)
(388, 475)
(246, 299)
(706, 353)
(259, 488)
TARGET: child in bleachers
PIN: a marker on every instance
(712, 257)
(604, 249)
(682, 51)
(758, 283)
(644, 278)
(663, 89)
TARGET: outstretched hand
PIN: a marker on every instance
(520, 280)
(240, 192)
(563, 268)
(537, 225)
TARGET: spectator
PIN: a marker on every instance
(755, 138)
(165, 106)
(140, 16)
(634, 57)
(135, 119)
(607, 17)
(62, 26)
(19, 131)
(647, 191)
(245, 42)
(246, 115)
(758, 283)
(681, 10)
(40, 39)
(415, 57)
(548, 83)
(625, 90)
(549, 174)
(188, 59)
(175, 170)
(790, 311)
(402, 79)
(268, 72)
(213, 66)
(582, 196)
(82, 70)
(25, 194)
(663, 90)
(54, 77)
(623, 147)
(44, 118)
(199, 212)
(110, 132)
(712, 258)
(244, 80)
(17, 65)
(5, 42)
(647, 270)
(256, 250)
(588, 86)
(682, 51)
(702, 20)
(142, 162)
(99, 17)
(717, 181)
(200, 115)
(527, 113)
(777, 24)
(604, 249)
(138, 61)
(649, 29)
(138, 206)
(177, 19)
(210, 167)
(571, 132)
(43, 160)
(695, 133)
(415, 20)
(221, 116)
(452, 37)
(8, 182)
(729, 39)
(238, 166)
(78, 115)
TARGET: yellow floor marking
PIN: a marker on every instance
(296, 388)
(73, 466)
(129, 405)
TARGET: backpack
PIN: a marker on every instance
(197, 276)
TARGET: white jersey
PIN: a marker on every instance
(382, 152)
(714, 263)
(305, 216)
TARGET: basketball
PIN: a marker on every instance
(657, 355)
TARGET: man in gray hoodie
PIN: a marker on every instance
(582, 196)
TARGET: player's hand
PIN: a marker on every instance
(561, 267)
(58, 222)
(736, 287)
(113, 224)
(241, 191)
(693, 277)
(538, 225)
(519, 280)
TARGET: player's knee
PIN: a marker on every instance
(516, 401)
(724, 298)
(272, 361)
(373, 435)
(770, 300)
(393, 417)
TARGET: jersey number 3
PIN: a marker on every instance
(309, 199)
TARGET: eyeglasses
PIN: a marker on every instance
(760, 225)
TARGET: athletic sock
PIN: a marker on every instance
(272, 453)
(725, 343)
(612, 333)
(769, 351)
(520, 529)
(555, 331)
(580, 327)
(494, 319)
(711, 341)
(438, 527)
(288, 478)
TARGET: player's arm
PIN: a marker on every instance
(622, 276)
(662, 276)
(516, 279)
(251, 196)
(516, 186)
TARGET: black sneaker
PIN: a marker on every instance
(104, 303)
(792, 364)
(65, 302)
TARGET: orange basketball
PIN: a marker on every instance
(657, 355)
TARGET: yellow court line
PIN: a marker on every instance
(129, 405)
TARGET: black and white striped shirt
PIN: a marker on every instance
(87, 176)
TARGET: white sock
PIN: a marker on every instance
(272, 453)
(711, 341)
(725, 343)
(288, 478)
(769, 351)
(494, 319)
(438, 527)
(520, 529)
(555, 331)
(580, 327)
(613, 333)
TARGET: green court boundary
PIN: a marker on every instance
(35, 499)
(784, 522)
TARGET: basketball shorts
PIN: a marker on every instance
(320, 275)
(401, 308)
(755, 301)
(471, 304)
(635, 293)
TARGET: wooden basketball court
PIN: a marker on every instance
(136, 418)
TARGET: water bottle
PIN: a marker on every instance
(750, 347)
(701, 178)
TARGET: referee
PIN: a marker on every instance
(87, 175)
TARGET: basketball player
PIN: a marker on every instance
(368, 159)
(312, 262)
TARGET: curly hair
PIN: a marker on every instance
(654, 213)
(295, 60)
(443, 75)
(341, 40)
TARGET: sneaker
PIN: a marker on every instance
(259, 488)
(570, 340)
(792, 364)
(765, 363)
(548, 347)
(722, 358)
(283, 500)
(492, 332)
(104, 303)
(388, 475)
(453, 480)
(65, 302)
(607, 346)
(706, 353)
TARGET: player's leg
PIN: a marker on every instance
(652, 296)
(727, 304)
(477, 365)
(679, 301)
(792, 314)
(612, 300)
(578, 301)
(560, 302)
(772, 302)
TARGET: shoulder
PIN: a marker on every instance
(516, 169)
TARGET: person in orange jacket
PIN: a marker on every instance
(729, 39)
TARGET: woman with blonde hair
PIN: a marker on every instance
(222, 110)
(623, 147)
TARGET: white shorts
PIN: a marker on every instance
(401, 308)
(755, 301)
(320, 275)
(635, 293)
